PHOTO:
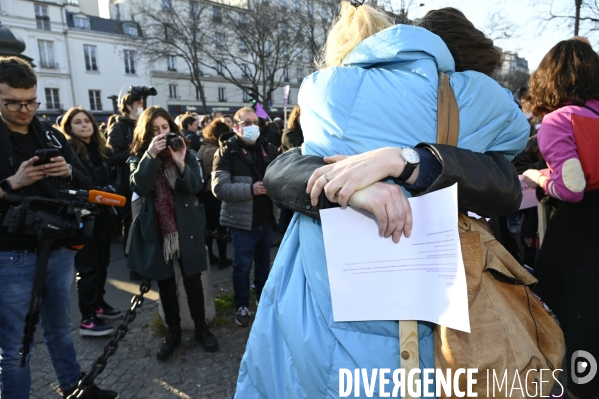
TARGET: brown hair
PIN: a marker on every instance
(17, 73)
(187, 120)
(294, 119)
(569, 73)
(96, 139)
(127, 99)
(470, 48)
(143, 133)
(215, 129)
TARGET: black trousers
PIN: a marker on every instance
(212, 209)
(91, 264)
(195, 298)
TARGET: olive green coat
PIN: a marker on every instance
(145, 254)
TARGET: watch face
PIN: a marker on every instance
(410, 156)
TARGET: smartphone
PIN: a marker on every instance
(45, 155)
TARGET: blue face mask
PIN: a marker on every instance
(250, 133)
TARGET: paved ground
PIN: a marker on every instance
(134, 371)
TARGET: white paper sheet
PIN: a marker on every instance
(421, 278)
(529, 197)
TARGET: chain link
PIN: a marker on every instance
(111, 347)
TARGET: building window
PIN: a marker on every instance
(52, 99)
(200, 70)
(246, 97)
(325, 15)
(300, 74)
(284, 28)
(216, 14)
(266, 48)
(166, 5)
(194, 9)
(171, 61)
(219, 68)
(244, 71)
(269, 74)
(241, 18)
(310, 9)
(296, 4)
(168, 32)
(90, 57)
(81, 22)
(243, 47)
(41, 17)
(172, 92)
(286, 75)
(283, 4)
(95, 103)
(218, 39)
(130, 30)
(129, 61)
(46, 54)
(222, 94)
(285, 53)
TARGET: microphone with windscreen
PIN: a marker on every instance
(97, 197)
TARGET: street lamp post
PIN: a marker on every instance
(577, 20)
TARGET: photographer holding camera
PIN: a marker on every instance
(21, 172)
(170, 225)
(120, 136)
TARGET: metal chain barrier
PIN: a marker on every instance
(100, 363)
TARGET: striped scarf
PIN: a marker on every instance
(166, 221)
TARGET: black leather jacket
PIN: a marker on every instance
(488, 184)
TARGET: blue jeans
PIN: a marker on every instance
(16, 281)
(250, 246)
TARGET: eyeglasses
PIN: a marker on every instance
(15, 107)
(247, 123)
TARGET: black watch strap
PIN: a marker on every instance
(408, 169)
(6, 186)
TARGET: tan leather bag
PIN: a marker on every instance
(511, 330)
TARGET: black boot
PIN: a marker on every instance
(171, 341)
(223, 261)
(205, 337)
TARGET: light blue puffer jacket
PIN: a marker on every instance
(385, 94)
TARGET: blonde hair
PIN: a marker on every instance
(352, 25)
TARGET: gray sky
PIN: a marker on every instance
(533, 42)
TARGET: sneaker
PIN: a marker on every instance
(94, 327)
(242, 318)
(108, 312)
(93, 393)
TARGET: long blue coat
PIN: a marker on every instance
(385, 94)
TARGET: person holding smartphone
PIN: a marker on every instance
(21, 135)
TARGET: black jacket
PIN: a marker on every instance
(80, 178)
(120, 136)
(488, 184)
(193, 138)
(235, 169)
(291, 138)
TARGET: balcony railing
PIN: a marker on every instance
(48, 65)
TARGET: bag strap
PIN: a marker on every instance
(590, 109)
(448, 117)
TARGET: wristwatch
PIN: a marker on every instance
(412, 160)
(6, 186)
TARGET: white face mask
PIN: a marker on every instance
(140, 110)
(250, 133)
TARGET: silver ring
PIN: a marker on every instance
(326, 177)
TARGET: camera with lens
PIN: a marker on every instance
(174, 141)
(139, 92)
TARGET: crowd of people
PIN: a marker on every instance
(195, 183)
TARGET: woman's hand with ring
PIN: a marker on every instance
(390, 207)
(345, 175)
